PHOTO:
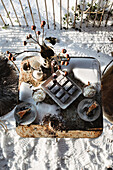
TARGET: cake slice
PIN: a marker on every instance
(91, 108)
(22, 113)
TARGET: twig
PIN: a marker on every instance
(46, 14)
(15, 66)
(36, 35)
(85, 12)
(23, 13)
(43, 36)
(103, 13)
(82, 14)
(61, 14)
(96, 13)
(15, 12)
(7, 12)
(16, 54)
(108, 15)
(89, 9)
(53, 14)
(67, 13)
(31, 12)
(38, 38)
(36, 41)
(74, 25)
(38, 11)
(32, 16)
(2, 20)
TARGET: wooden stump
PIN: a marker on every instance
(107, 94)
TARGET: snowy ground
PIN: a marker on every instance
(18, 153)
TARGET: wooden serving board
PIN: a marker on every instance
(76, 129)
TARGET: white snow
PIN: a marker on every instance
(18, 153)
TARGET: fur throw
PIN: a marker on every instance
(8, 86)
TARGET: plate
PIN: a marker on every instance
(96, 112)
(28, 118)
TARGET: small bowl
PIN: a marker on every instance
(38, 95)
(89, 91)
